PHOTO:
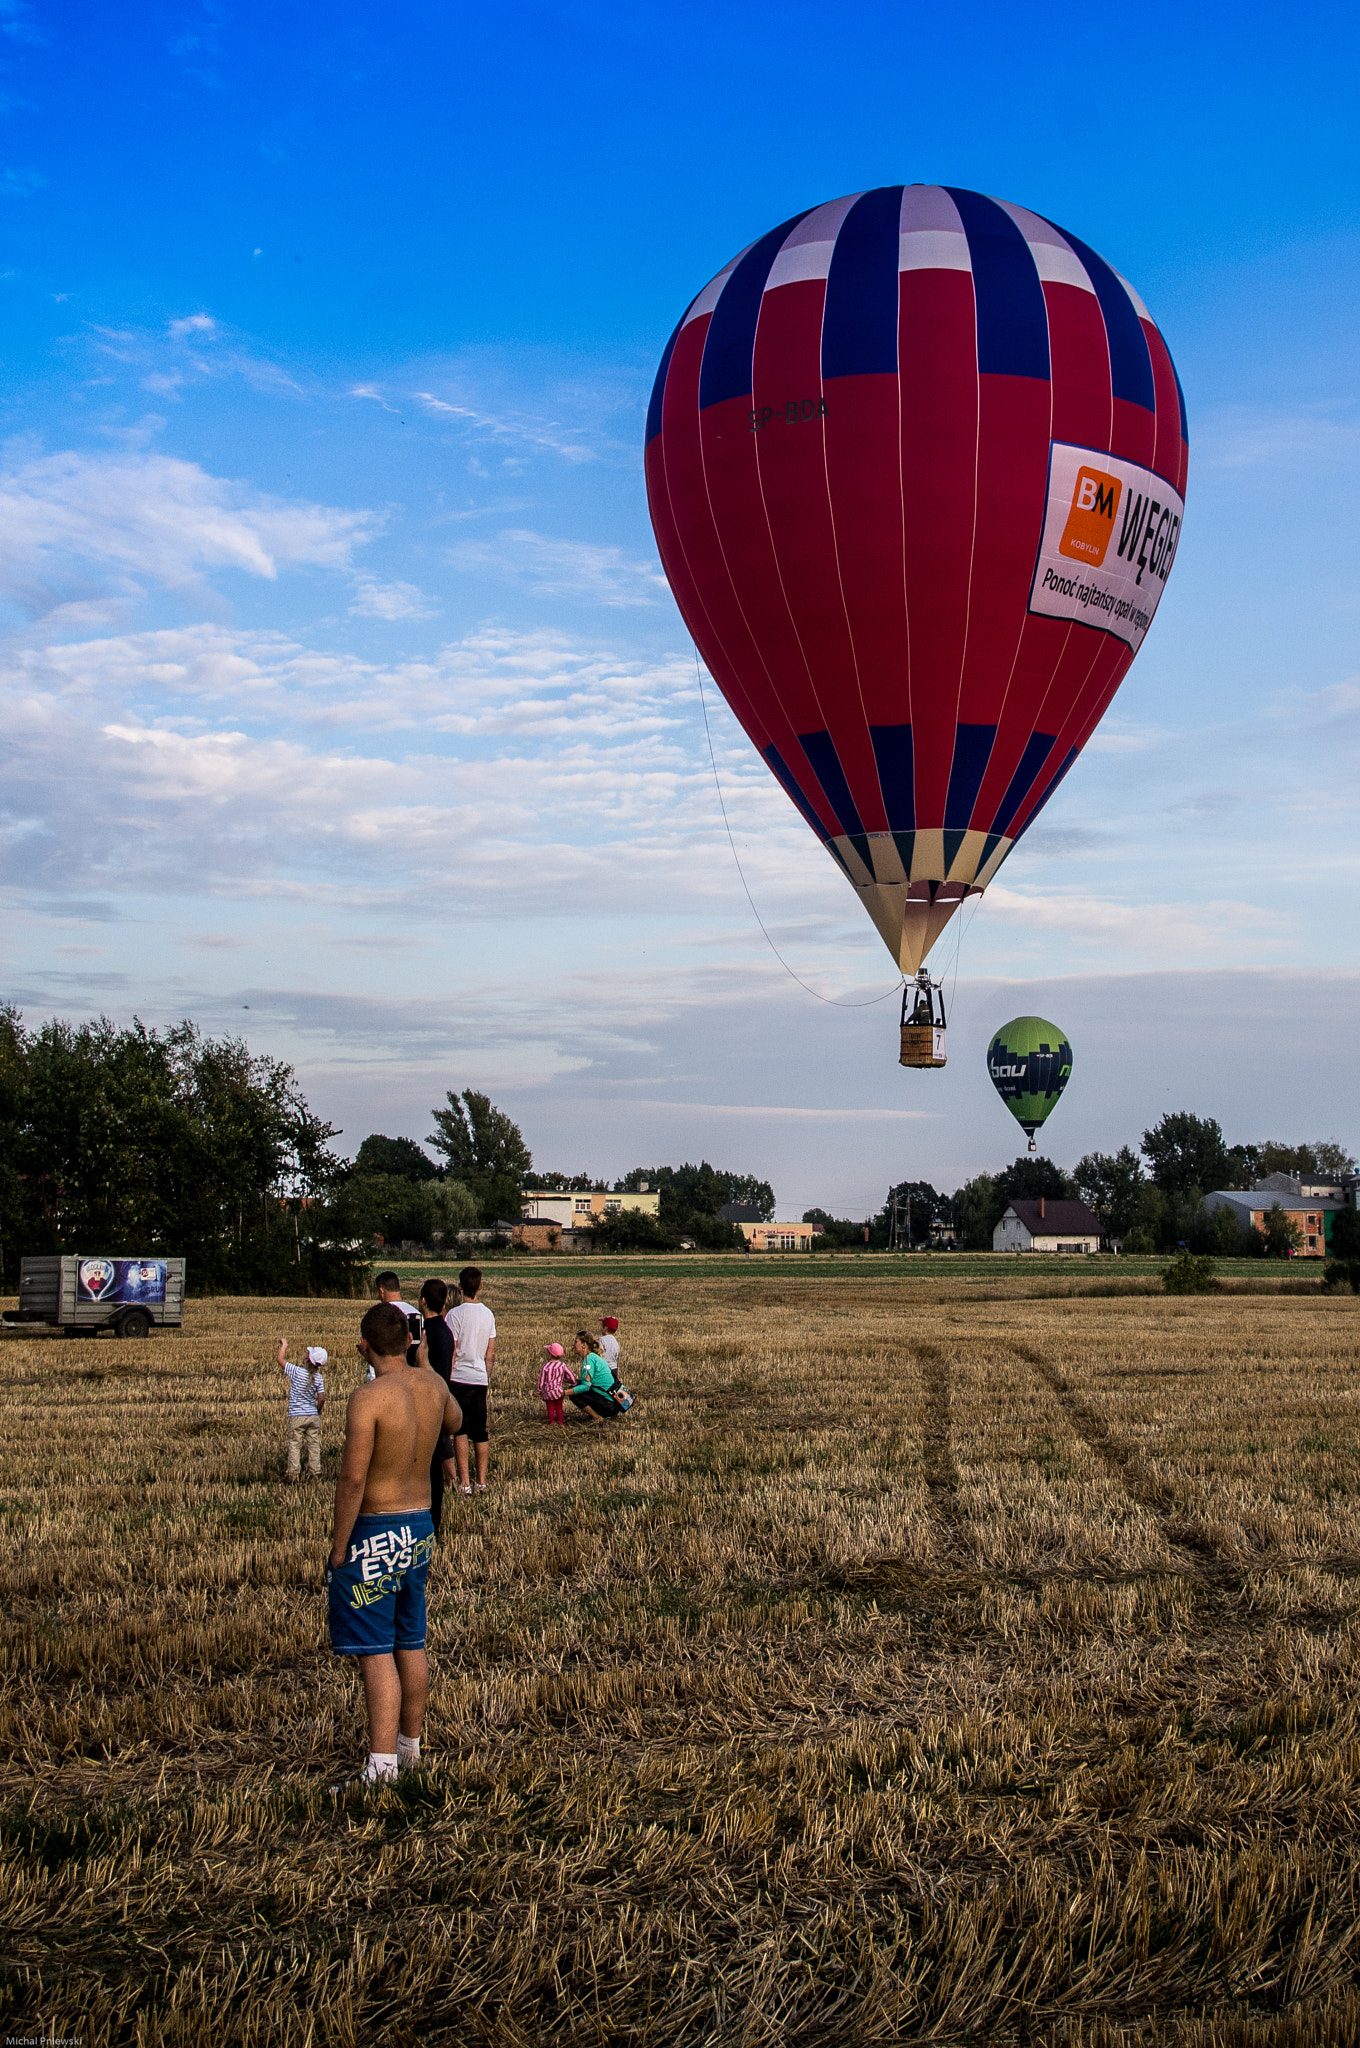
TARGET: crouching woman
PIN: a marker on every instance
(593, 1393)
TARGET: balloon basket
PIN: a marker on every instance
(922, 1045)
(922, 1023)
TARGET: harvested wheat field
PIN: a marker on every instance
(918, 1662)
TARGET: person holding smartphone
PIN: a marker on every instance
(389, 1292)
(435, 1349)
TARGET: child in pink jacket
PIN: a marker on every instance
(553, 1381)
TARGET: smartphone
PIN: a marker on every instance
(414, 1326)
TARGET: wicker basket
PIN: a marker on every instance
(922, 1045)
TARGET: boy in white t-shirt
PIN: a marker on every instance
(474, 1361)
(306, 1399)
(608, 1346)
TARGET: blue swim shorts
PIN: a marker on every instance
(377, 1596)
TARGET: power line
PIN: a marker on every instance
(835, 1005)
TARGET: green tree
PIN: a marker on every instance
(13, 1091)
(135, 1140)
(399, 1156)
(756, 1194)
(1189, 1275)
(977, 1213)
(1345, 1242)
(1026, 1178)
(691, 1197)
(1186, 1152)
(1224, 1237)
(1280, 1234)
(485, 1149)
(837, 1230)
(1111, 1183)
(401, 1211)
(629, 1230)
(910, 1210)
(1324, 1159)
(1155, 1225)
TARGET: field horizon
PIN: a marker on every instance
(927, 1657)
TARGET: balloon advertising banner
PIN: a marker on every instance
(121, 1280)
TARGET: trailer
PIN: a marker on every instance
(83, 1296)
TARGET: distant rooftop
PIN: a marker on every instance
(1060, 1219)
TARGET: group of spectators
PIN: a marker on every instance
(454, 1333)
(597, 1390)
(422, 1405)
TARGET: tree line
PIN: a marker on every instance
(165, 1142)
(398, 1191)
(172, 1142)
(132, 1139)
(1147, 1201)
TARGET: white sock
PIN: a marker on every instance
(380, 1766)
(408, 1752)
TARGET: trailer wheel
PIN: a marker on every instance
(134, 1322)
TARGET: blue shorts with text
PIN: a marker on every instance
(377, 1596)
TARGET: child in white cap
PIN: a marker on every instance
(554, 1379)
(306, 1399)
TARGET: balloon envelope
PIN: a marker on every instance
(916, 465)
(1029, 1061)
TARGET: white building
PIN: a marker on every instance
(578, 1210)
(1046, 1225)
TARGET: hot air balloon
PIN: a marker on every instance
(1029, 1061)
(916, 466)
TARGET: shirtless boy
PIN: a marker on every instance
(383, 1537)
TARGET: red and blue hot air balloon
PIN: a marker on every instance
(916, 463)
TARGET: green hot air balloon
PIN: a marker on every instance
(1029, 1061)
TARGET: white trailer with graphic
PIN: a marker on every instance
(83, 1296)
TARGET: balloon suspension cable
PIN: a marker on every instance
(960, 927)
(713, 762)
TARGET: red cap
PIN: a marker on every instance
(609, 1322)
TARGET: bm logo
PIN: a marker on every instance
(1090, 522)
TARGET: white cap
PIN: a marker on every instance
(316, 1354)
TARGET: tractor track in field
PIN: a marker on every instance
(941, 1472)
(1126, 1464)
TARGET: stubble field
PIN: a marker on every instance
(920, 1660)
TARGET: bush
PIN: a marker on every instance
(1189, 1275)
(1341, 1273)
(629, 1230)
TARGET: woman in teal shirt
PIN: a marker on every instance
(593, 1394)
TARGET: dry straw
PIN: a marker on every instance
(907, 1667)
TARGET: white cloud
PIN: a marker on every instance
(374, 600)
(509, 427)
(70, 517)
(205, 761)
(1249, 437)
(1176, 927)
(179, 357)
(583, 570)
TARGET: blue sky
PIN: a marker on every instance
(339, 678)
